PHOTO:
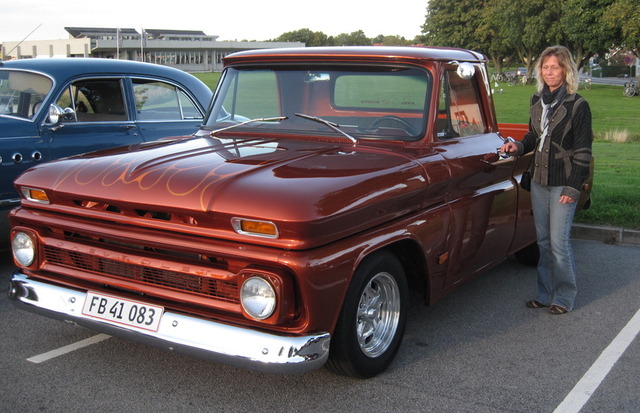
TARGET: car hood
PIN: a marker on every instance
(315, 192)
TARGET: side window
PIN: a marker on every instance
(95, 100)
(22, 93)
(459, 112)
(157, 100)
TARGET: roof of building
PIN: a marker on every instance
(77, 32)
(158, 33)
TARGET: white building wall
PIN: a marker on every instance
(46, 48)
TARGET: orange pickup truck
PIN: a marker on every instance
(323, 186)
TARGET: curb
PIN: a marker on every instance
(609, 235)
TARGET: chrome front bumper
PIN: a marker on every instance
(195, 336)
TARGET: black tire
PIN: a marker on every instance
(372, 320)
(529, 255)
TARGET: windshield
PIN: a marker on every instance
(22, 93)
(361, 101)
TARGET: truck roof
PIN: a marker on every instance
(326, 54)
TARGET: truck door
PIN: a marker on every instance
(482, 197)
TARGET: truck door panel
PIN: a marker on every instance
(482, 197)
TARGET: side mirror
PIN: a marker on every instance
(466, 70)
(57, 114)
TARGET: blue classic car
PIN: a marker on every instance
(53, 108)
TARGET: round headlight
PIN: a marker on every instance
(24, 250)
(258, 298)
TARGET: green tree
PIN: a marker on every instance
(523, 28)
(530, 25)
(391, 40)
(357, 38)
(306, 36)
(491, 35)
(623, 17)
(452, 23)
(584, 30)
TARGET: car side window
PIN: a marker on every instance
(459, 112)
(95, 100)
(157, 100)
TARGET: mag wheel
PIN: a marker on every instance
(372, 320)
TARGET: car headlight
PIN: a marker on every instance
(24, 250)
(258, 298)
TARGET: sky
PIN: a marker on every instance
(230, 20)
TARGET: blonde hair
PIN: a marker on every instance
(565, 60)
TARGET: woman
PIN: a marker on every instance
(560, 134)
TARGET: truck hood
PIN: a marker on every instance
(314, 192)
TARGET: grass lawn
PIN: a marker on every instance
(208, 78)
(615, 194)
(611, 110)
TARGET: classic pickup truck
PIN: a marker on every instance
(324, 185)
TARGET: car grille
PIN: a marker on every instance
(206, 286)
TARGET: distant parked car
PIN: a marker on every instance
(53, 108)
(521, 71)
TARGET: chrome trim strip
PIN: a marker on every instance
(9, 202)
(240, 347)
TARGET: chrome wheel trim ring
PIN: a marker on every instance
(378, 315)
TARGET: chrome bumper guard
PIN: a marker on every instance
(236, 346)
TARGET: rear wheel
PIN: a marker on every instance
(371, 324)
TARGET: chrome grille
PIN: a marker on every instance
(207, 286)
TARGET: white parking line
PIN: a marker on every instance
(588, 384)
(68, 349)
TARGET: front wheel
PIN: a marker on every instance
(371, 324)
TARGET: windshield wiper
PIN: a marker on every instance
(334, 126)
(278, 118)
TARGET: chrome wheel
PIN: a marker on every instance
(372, 320)
(378, 315)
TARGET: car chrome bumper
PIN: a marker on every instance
(198, 337)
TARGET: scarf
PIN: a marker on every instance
(550, 102)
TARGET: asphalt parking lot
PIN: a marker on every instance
(479, 350)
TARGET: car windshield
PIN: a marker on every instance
(21, 93)
(355, 102)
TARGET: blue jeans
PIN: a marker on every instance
(556, 268)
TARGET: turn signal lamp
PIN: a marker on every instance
(255, 228)
(36, 195)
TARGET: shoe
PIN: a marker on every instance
(535, 304)
(557, 310)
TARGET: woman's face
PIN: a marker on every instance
(552, 72)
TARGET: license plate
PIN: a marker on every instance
(123, 311)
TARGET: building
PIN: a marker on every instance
(189, 50)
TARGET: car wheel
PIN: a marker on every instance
(371, 324)
(529, 255)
